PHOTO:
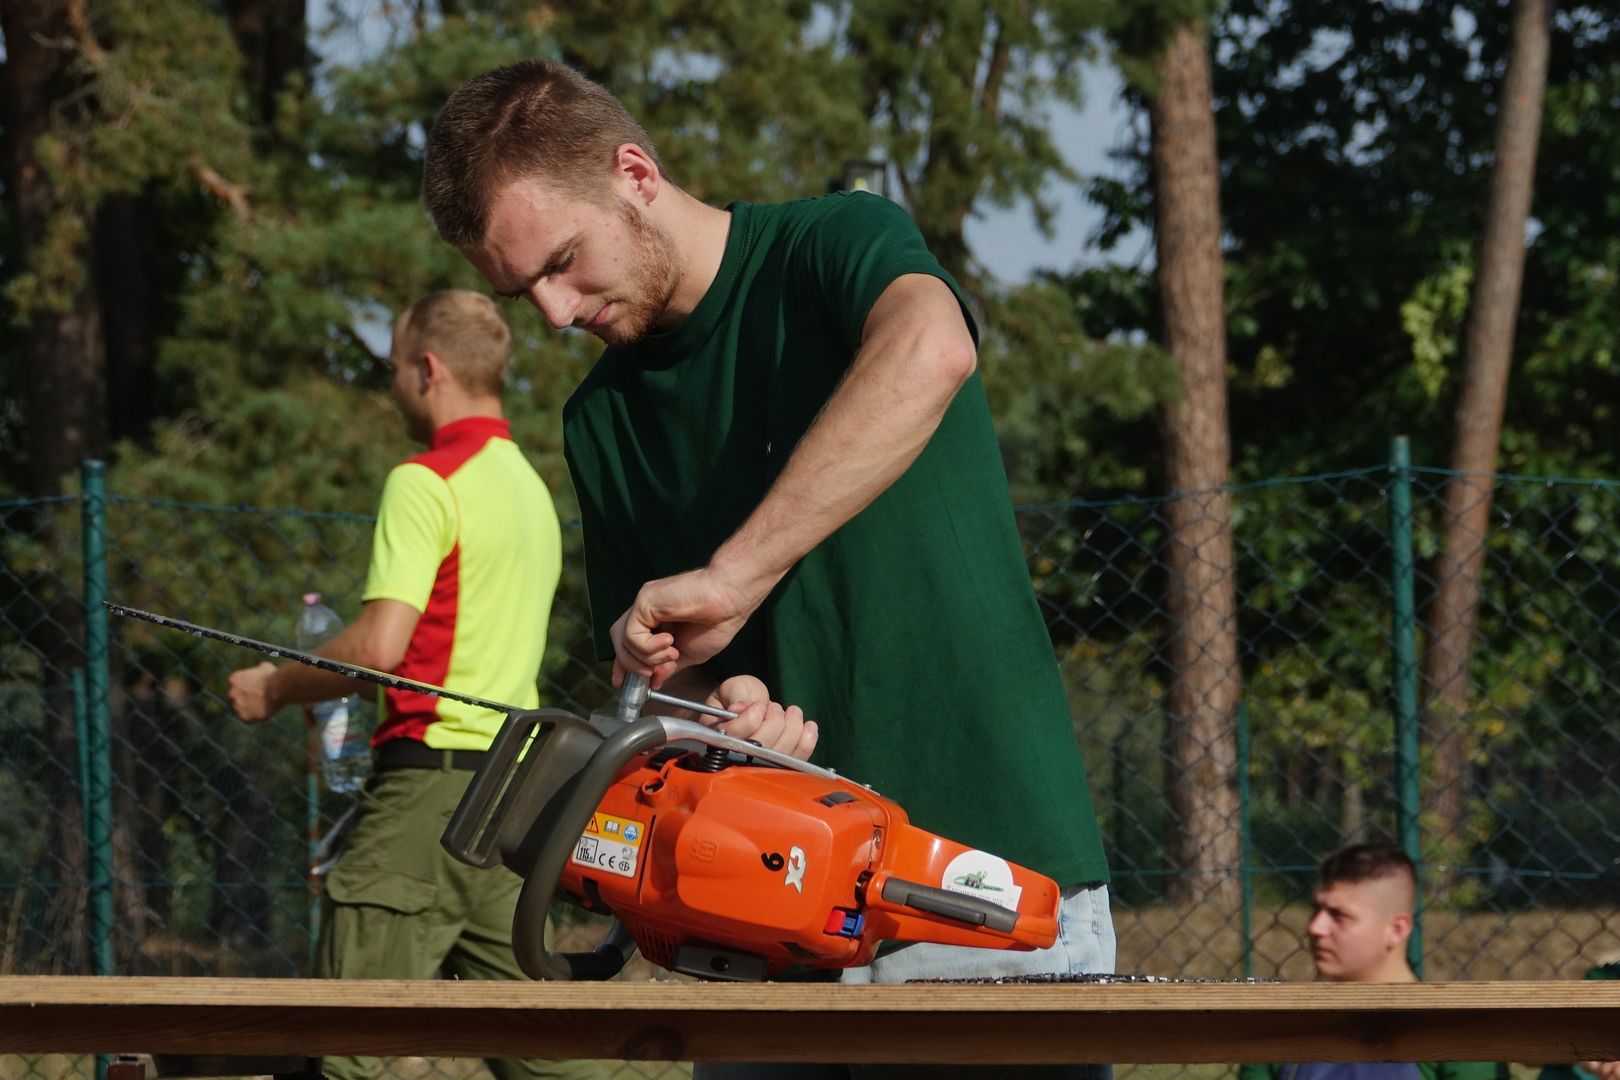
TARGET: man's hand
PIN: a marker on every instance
(1603, 1070)
(252, 694)
(679, 621)
(763, 720)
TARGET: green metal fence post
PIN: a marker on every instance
(98, 751)
(81, 735)
(97, 743)
(1404, 642)
(1245, 840)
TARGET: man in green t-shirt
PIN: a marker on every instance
(788, 479)
(1361, 920)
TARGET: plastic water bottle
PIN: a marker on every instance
(345, 747)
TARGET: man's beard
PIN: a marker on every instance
(656, 276)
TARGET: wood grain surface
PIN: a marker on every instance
(934, 1023)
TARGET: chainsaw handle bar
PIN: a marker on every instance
(534, 902)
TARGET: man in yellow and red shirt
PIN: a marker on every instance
(465, 561)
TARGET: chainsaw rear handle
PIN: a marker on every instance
(534, 902)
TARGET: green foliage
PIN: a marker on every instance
(1433, 317)
(156, 110)
(1073, 401)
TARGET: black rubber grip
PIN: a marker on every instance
(950, 905)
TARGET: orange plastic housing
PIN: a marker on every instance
(789, 866)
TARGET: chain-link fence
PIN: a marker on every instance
(179, 842)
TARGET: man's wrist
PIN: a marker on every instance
(274, 699)
(741, 572)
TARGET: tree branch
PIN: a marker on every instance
(233, 195)
(84, 37)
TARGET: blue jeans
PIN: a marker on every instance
(1085, 945)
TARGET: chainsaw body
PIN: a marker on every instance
(721, 860)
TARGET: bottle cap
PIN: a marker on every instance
(311, 599)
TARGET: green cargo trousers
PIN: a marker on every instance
(399, 907)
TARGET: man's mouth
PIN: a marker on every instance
(597, 320)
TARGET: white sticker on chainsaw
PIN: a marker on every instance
(981, 874)
(611, 844)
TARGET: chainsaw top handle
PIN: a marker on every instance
(557, 846)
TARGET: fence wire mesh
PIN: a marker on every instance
(213, 821)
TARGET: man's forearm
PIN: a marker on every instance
(872, 428)
(300, 684)
(376, 640)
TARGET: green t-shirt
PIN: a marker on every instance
(1572, 1071)
(1374, 1070)
(911, 635)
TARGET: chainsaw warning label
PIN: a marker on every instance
(610, 843)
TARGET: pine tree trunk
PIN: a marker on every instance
(66, 412)
(1201, 596)
(1487, 355)
(67, 403)
(126, 273)
(272, 35)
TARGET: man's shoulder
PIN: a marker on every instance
(412, 486)
(854, 210)
(414, 472)
(587, 392)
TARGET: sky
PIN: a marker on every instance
(1008, 242)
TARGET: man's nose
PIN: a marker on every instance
(558, 305)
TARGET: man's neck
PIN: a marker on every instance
(1394, 970)
(465, 409)
(699, 232)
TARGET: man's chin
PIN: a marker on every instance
(623, 331)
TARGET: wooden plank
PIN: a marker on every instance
(933, 1023)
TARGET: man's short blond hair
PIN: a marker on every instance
(466, 331)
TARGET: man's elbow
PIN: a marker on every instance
(959, 360)
(955, 361)
(382, 655)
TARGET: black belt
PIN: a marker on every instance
(416, 754)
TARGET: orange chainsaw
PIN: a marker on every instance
(717, 857)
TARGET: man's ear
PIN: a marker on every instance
(432, 370)
(1400, 929)
(637, 172)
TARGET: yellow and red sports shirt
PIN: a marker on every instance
(468, 536)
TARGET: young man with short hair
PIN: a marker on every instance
(1361, 920)
(465, 560)
(788, 479)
